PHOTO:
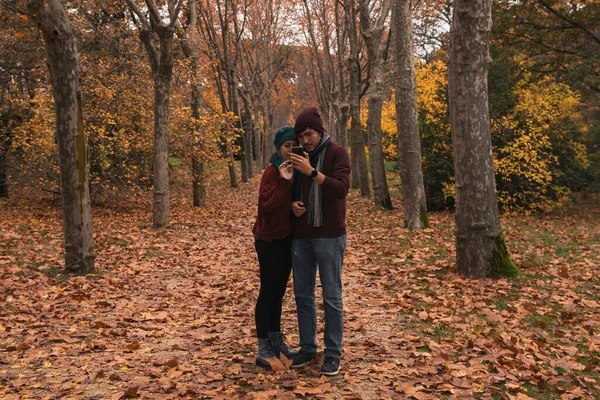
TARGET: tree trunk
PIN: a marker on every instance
(356, 142)
(231, 166)
(343, 107)
(330, 122)
(198, 174)
(161, 65)
(245, 151)
(358, 158)
(190, 46)
(343, 125)
(161, 211)
(480, 247)
(267, 141)
(4, 146)
(199, 185)
(258, 145)
(381, 193)
(247, 141)
(63, 64)
(372, 33)
(409, 141)
(247, 156)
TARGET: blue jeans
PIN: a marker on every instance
(328, 255)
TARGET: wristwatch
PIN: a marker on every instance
(314, 173)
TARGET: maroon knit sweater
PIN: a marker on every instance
(336, 168)
(274, 207)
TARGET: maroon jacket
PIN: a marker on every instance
(274, 207)
(336, 168)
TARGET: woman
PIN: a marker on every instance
(273, 245)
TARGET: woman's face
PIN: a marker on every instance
(286, 149)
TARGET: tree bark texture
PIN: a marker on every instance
(477, 218)
(191, 49)
(198, 182)
(248, 125)
(343, 107)
(258, 138)
(245, 150)
(358, 158)
(4, 146)
(161, 65)
(63, 63)
(381, 194)
(231, 167)
(267, 137)
(372, 34)
(328, 77)
(162, 88)
(409, 141)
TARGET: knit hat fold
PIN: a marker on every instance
(284, 134)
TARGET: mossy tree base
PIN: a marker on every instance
(502, 265)
(423, 216)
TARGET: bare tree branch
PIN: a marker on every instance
(175, 15)
(135, 9)
(576, 24)
(153, 11)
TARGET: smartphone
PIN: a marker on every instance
(298, 150)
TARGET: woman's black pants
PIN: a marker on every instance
(275, 260)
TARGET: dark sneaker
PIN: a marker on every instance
(302, 358)
(331, 366)
(280, 346)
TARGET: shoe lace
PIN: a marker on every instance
(281, 341)
(269, 351)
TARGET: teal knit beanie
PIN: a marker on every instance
(284, 134)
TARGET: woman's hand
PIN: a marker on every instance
(286, 170)
(302, 164)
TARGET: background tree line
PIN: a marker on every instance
(188, 82)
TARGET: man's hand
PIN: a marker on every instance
(298, 208)
(302, 164)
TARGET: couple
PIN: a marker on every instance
(301, 225)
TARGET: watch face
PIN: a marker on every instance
(314, 173)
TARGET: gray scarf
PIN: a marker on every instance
(315, 209)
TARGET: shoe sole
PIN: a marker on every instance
(262, 363)
(331, 373)
(305, 363)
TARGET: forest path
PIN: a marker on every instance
(170, 313)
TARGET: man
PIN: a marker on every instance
(319, 238)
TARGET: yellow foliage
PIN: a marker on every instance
(431, 104)
(539, 131)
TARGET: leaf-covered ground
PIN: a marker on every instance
(169, 313)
